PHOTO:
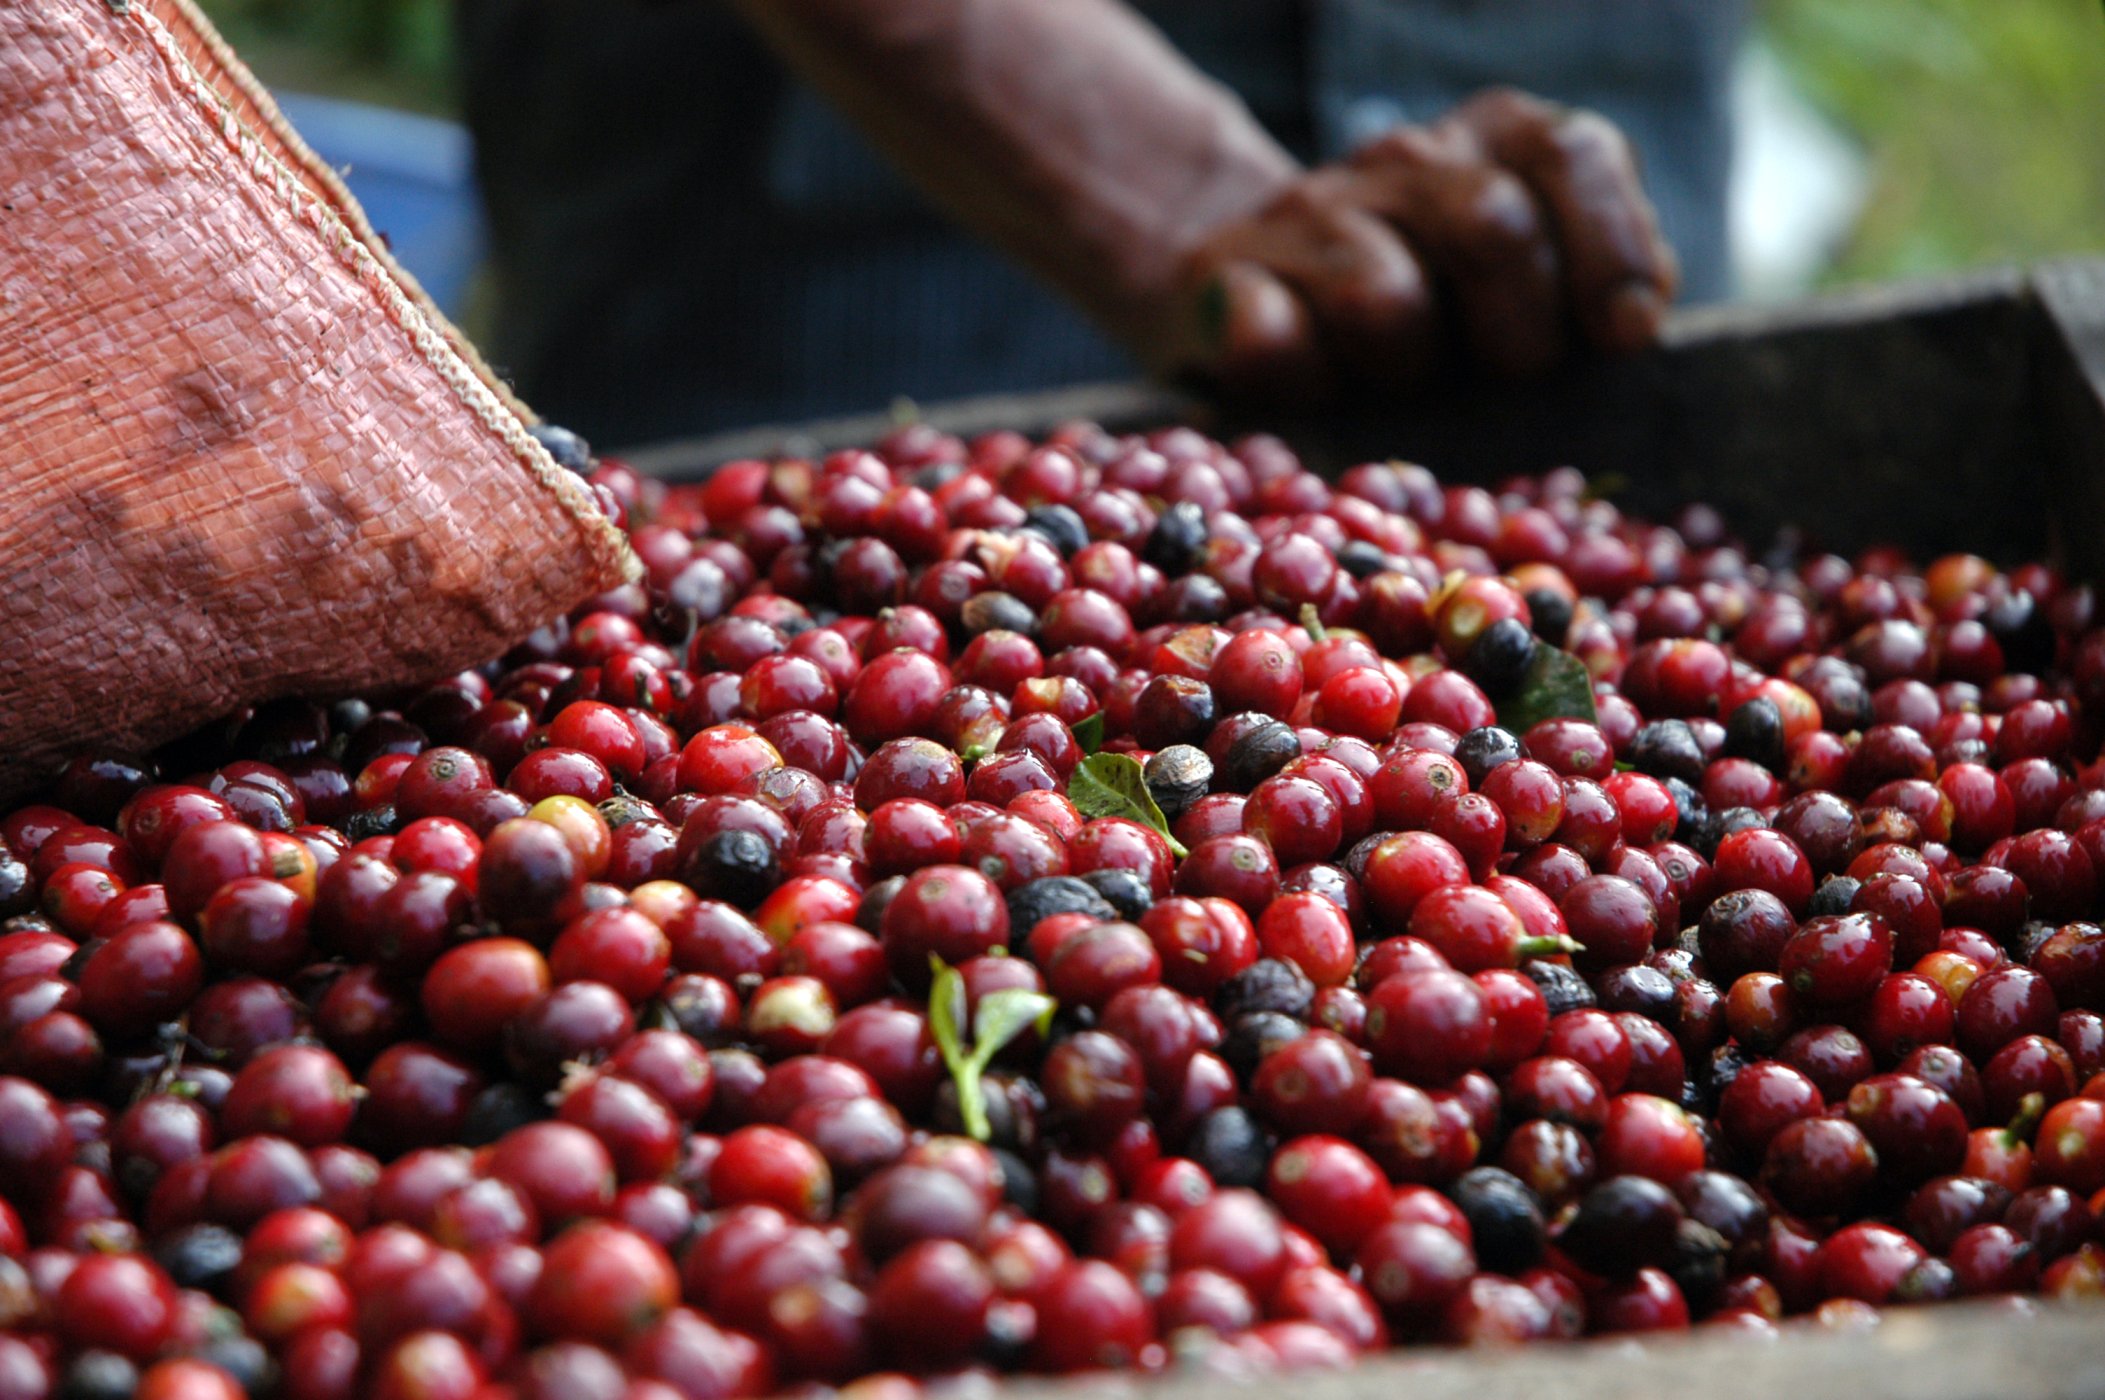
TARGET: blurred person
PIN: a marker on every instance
(712, 213)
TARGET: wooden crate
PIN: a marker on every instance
(1964, 413)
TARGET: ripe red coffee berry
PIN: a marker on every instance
(142, 976)
(1613, 921)
(116, 1302)
(1403, 869)
(948, 911)
(1761, 859)
(1202, 942)
(1837, 959)
(561, 1168)
(1091, 1317)
(1296, 817)
(1315, 1083)
(1427, 1026)
(2070, 1150)
(1414, 1270)
(1648, 1136)
(1310, 931)
(1410, 786)
(1256, 671)
(602, 1283)
(1329, 1188)
(1476, 930)
(766, 1166)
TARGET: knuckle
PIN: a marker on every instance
(1349, 229)
(1508, 104)
(1584, 137)
(1407, 299)
(1263, 320)
(1390, 290)
(1402, 145)
(1331, 187)
(1301, 200)
(1499, 219)
(1535, 147)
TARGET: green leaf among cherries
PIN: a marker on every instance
(1556, 685)
(1005, 1014)
(946, 1010)
(1089, 731)
(1002, 1016)
(1115, 785)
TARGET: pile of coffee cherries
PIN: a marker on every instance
(1102, 902)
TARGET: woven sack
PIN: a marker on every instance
(241, 454)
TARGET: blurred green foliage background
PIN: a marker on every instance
(394, 52)
(1983, 120)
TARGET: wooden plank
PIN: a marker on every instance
(1857, 417)
(1959, 1351)
(2071, 394)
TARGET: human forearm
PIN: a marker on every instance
(1066, 131)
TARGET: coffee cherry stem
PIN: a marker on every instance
(2025, 1122)
(1549, 945)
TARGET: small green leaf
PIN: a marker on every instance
(946, 1011)
(1557, 685)
(1005, 1014)
(1089, 731)
(1115, 785)
(946, 1018)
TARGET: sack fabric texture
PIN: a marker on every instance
(241, 454)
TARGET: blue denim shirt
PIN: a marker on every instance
(687, 239)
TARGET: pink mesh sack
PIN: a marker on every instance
(241, 454)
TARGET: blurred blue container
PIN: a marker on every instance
(414, 175)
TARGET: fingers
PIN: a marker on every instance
(1480, 227)
(1369, 299)
(1532, 215)
(1239, 328)
(1310, 292)
(1619, 270)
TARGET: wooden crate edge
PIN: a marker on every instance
(1132, 404)
(2070, 391)
(1953, 1351)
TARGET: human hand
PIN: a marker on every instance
(1502, 235)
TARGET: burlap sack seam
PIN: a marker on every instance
(601, 537)
(232, 70)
